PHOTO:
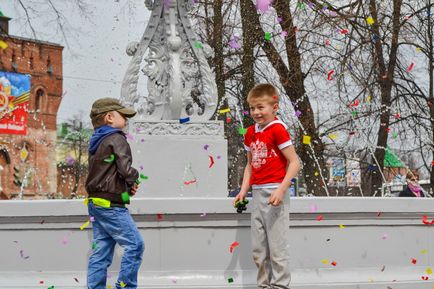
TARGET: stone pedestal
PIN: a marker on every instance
(180, 160)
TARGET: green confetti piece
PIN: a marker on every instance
(394, 135)
(51, 287)
(93, 246)
(198, 44)
(110, 159)
(242, 130)
(143, 177)
(354, 113)
(267, 36)
(230, 280)
(125, 197)
(301, 5)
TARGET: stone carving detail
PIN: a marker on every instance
(180, 82)
(175, 128)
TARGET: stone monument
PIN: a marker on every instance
(169, 82)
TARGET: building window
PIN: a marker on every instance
(38, 99)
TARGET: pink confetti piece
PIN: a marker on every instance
(385, 236)
(284, 33)
(263, 5)
(313, 208)
(205, 147)
(233, 43)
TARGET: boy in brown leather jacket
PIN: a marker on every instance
(110, 182)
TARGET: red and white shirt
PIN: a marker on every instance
(268, 162)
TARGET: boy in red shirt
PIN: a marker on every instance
(271, 165)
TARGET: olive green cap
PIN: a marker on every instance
(107, 104)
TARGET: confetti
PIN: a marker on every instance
(319, 218)
(344, 31)
(370, 20)
(143, 177)
(110, 159)
(428, 271)
(330, 74)
(284, 33)
(159, 216)
(333, 136)
(3, 45)
(298, 113)
(22, 255)
(85, 225)
(327, 42)
(211, 161)
(385, 236)
(242, 130)
(230, 280)
(92, 219)
(189, 182)
(324, 261)
(424, 251)
(76, 280)
(383, 268)
(410, 67)
(233, 42)
(94, 246)
(198, 44)
(233, 246)
(414, 261)
(306, 139)
(125, 197)
(426, 221)
(341, 226)
(267, 36)
(425, 278)
(263, 5)
(51, 287)
(333, 263)
(184, 120)
(205, 147)
(313, 208)
(123, 285)
(225, 110)
(203, 214)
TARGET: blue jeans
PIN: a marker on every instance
(111, 226)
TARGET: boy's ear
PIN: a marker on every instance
(275, 107)
(108, 118)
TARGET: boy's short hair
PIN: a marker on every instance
(99, 120)
(264, 90)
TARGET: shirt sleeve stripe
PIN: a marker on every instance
(284, 145)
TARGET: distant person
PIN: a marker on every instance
(271, 165)
(110, 182)
(412, 187)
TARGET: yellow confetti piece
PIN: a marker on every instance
(109, 286)
(341, 226)
(424, 251)
(123, 285)
(371, 280)
(418, 49)
(333, 136)
(324, 261)
(3, 45)
(370, 20)
(368, 98)
(428, 271)
(85, 225)
(221, 111)
(306, 139)
(316, 174)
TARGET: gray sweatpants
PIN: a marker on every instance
(270, 244)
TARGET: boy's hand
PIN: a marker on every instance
(276, 197)
(134, 189)
(240, 197)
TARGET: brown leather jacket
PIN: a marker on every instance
(109, 179)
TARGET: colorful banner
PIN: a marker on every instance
(14, 102)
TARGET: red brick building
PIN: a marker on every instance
(37, 169)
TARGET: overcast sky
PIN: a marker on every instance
(94, 63)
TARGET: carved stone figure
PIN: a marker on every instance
(180, 82)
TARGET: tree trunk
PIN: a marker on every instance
(292, 80)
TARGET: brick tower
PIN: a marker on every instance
(28, 114)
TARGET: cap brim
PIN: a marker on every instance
(127, 112)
